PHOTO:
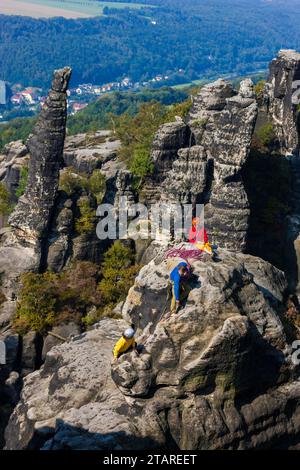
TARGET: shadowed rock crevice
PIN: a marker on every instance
(271, 174)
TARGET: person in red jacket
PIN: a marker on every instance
(198, 236)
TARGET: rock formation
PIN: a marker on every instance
(220, 374)
(168, 140)
(32, 215)
(22, 244)
(201, 162)
(228, 121)
(20, 248)
(87, 412)
(281, 97)
(217, 376)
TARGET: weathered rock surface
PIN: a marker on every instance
(227, 124)
(281, 88)
(225, 357)
(190, 178)
(22, 247)
(281, 97)
(217, 376)
(86, 152)
(15, 156)
(15, 259)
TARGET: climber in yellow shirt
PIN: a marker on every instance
(125, 343)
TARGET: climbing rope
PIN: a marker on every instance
(184, 253)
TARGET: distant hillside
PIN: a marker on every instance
(201, 38)
(96, 115)
(64, 8)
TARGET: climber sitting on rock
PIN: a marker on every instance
(125, 343)
(198, 236)
(179, 278)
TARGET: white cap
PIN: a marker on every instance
(129, 333)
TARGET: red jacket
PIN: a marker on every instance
(195, 237)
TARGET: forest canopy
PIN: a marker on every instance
(200, 38)
(96, 115)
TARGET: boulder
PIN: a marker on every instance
(72, 402)
(219, 375)
(66, 331)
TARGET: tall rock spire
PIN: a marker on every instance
(207, 169)
(31, 216)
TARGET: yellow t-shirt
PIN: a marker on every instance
(123, 345)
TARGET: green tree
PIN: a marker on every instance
(136, 134)
(266, 135)
(37, 305)
(51, 299)
(180, 109)
(22, 182)
(5, 206)
(97, 185)
(259, 87)
(71, 181)
(118, 274)
(141, 164)
(86, 221)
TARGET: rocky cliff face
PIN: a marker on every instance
(87, 152)
(281, 98)
(228, 121)
(217, 376)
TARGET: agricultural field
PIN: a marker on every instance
(64, 8)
